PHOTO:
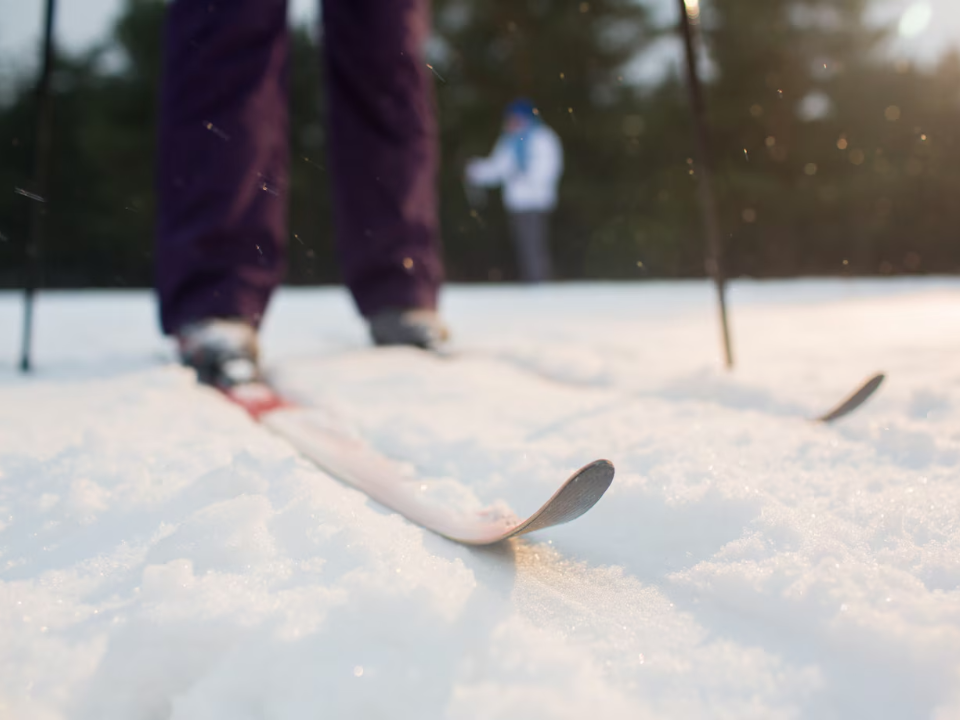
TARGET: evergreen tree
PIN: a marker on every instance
(817, 137)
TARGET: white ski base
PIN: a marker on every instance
(354, 462)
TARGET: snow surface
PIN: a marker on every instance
(161, 556)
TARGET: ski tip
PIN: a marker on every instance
(576, 496)
(602, 470)
(598, 474)
(585, 488)
(858, 398)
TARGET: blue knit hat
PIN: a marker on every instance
(522, 107)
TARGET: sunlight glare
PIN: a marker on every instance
(915, 19)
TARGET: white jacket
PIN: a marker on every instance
(533, 190)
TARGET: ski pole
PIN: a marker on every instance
(708, 202)
(41, 162)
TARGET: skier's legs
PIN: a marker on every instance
(223, 159)
(383, 152)
(529, 231)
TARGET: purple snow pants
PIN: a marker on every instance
(224, 158)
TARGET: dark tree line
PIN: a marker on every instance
(831, 158)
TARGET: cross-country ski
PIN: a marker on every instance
(322, 439)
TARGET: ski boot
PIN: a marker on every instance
(224, 353)
(417, 327)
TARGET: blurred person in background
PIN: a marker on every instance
(527, 161)
(223, 173)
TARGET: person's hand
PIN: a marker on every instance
(468, 169)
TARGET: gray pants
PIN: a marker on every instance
(530, 239)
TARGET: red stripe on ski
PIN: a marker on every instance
(256, 398)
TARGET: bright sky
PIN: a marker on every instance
(927, 26)
(80, 23)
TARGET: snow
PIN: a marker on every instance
(161, 556)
